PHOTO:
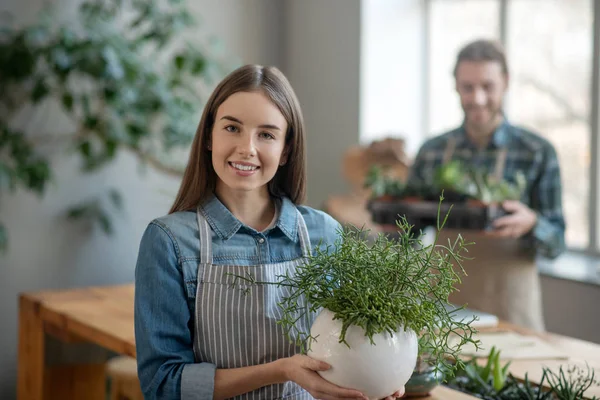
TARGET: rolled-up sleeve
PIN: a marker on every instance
(164, 324)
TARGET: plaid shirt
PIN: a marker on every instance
(526, 152)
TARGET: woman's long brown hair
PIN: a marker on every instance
(200, 178)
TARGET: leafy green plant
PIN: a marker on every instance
(494, 382)
(570, 382)
(121, 75)
(478, 183)
(491, 377)
(382, 184)
(381, 286)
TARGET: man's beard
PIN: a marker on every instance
(494, 117)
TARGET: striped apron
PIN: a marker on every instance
(238, 328)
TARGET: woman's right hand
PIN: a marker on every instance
(302, 370)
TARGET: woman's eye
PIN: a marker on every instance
(231, 128)
(267, 135)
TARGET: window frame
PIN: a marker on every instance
(593, 247)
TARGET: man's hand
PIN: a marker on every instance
(519, 222)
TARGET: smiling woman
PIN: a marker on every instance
(238, 208)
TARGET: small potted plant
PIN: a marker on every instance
(377, 301)
(426, 376)
(493, 381)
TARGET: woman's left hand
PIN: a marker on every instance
(397, 394)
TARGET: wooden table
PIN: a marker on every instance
(99, 315)
(104, 316)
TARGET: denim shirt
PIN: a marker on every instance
(165, 283)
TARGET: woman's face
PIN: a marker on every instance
(247, 142)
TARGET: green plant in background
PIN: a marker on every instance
(381, 184)
(491, 377)
(121, 74)
(380, 286)
(494, 382)
(478, 183)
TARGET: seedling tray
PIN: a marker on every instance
(421, 213)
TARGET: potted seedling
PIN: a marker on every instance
(383, 186)
(378, 300)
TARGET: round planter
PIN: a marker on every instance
(376, 370)
(422, 382)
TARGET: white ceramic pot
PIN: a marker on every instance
(375, 370)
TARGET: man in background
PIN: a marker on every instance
(502, 276)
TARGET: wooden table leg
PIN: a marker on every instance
(31, 360)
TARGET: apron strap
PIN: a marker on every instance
(303, 234)
(205, 237)
(500, 164)
(449, 150)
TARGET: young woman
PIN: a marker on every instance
(237, 210)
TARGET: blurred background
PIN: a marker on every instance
(73, 212)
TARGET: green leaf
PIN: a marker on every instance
(67, 100)
(179, 61)
(485, 374)
(105, 223)
(497, 371)
(116, 198)
(78, 212)
(90, 122)
(85, 147)
(110, 148)
(199, 66)
(40, 90)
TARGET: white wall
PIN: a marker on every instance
(48, 252)
(392, 71)
(322, 62)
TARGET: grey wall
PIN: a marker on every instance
(322, 61)
(571, 308)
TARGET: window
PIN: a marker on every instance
(549, 50)
(451, 25)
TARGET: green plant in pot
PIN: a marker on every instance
(477, 183)
(375, 303)
(493, 381)
(382, 185)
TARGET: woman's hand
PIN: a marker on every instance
(303, 370)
